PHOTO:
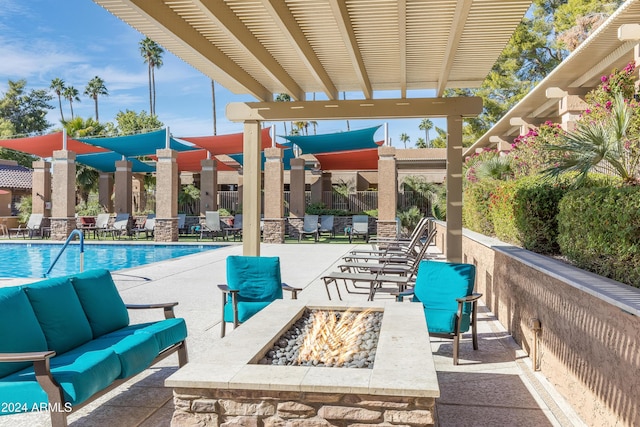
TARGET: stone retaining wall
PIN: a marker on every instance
(589, 345)
(214, 407)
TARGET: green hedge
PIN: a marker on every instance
(599, 230)
(475, 206)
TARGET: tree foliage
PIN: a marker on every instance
(130, 122)
(26, 111)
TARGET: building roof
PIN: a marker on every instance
(15, 177)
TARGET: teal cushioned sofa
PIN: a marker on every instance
(67, 340)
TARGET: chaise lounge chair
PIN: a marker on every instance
(310, 227)
(32, 228)
(359, 227)
(211, 225)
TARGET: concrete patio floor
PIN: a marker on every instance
(493, 386)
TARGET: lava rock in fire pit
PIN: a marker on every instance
(328, 338)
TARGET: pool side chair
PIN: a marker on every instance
(236, 229)
(253, 283)
(359, 227)
(450, 306)
(211, 225)
(310, 227)
(32, 228)
(182, 220)
(326, 225)
(394, 247)
(147, 228)
(119, 227)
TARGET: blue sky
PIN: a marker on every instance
(76, 40)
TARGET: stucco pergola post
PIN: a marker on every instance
(453, 250)
(252, 180)
(326, 186)
(167, 182)
(316, 188)
(139, 200)
(208, 186)
(41, 188)
(387, 192)
(274, 225)
(105, 191)
(296, 195)
(63, 211)
(571, 107)
(123, 186)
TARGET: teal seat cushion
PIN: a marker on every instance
(438, 286)
(257, 278)
(245, 310)
(19, 328)
(59, 313)
(166, 332)
(81, 373)
(135, 351)
(101, 301)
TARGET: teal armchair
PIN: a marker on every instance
(252, 284)
(446, 292)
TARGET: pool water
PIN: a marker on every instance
(33, 260)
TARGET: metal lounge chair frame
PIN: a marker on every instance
(310, 227)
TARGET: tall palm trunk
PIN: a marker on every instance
(60, 105)
(153, 85)
(150, 91)
(213, 101)
(95, 99)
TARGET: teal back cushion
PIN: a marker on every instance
(59, 313)
(101, 301)
(439, 284)
(257, 278)
(19, 328)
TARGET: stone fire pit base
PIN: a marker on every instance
(195, 407)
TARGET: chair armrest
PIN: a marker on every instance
(167, 307)
(400, 295)
(294, 291)
(470, 298)
(27, 357)
(226, 290)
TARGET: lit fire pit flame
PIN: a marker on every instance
(333, 337)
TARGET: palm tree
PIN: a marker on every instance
(57, 85)
(86, 177)
(344, 97)
(420, 143)
(152, 54)
(404, 138)
(426, 125)
(70, 93)
(284, 97)
(315, 126)
(94, 88)
(213, 101)
(600, 142)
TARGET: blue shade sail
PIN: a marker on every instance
(144, 144)
(106, 162)
(287, 155)
(334, 142)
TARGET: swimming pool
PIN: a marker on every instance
(33, 260)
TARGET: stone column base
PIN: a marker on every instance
(166, 230)
(295, 226)
(61, 227)
(273, 230)
(387, 229)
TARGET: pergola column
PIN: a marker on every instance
(387, 192)
(274, 225)
(105, 190)
(326, 186)
(571, 108)
(167, 183)
(139, 194)
(41, 188)
(123, 187)
(297, 187)
(453, 250)
(208, 186)
(252, 180)
(316, 188)
(63, 211)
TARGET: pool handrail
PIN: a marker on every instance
(66, 243)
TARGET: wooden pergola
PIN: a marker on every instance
(304, 47)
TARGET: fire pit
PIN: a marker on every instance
(238, 387)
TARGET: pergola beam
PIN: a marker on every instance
(457, 27)
(289, 27)
(402, 45)
(340, 11)
(355, 109)
(189, 38)
(227, 21)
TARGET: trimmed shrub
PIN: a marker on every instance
(475, 207)
(599, 230)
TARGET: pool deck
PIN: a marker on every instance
(493, 386)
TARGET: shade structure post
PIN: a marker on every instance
(453, 250)
(41, 188)
(105, 190)
(124, 187)
(274, 224)
(208, 186)
(63, 194)
(252, 180)
(167, 182)
(387, 192)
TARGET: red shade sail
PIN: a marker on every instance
(189, 161)
(349, 160)
(45, 145)
(226, 144)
